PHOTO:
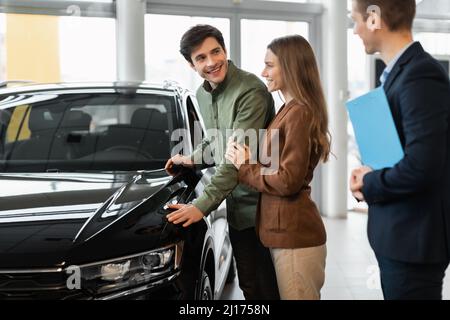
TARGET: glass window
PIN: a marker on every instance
(297, 1)
(107, 1)
(86, 132)
(2, 47)
(358, 67)
(257, 34)
(434, 43)
(359, 83)
(46, 48)
(87, 49)
(162, 44)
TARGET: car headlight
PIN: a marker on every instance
(128, 271)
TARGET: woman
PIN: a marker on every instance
(288, 220)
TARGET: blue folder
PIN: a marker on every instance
(376, 135)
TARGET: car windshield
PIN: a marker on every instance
(77, 132)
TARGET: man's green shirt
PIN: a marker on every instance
(241, 101)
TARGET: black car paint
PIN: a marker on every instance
(46, 239)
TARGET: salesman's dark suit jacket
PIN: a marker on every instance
(409, 205)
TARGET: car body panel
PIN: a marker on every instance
(51, 219)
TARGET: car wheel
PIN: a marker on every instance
(231, 272)
(205, 288)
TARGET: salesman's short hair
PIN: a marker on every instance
(398, 15)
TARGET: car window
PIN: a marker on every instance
(88, 132)
(195, 127)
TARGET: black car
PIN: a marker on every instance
(83, 196)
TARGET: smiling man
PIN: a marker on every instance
(229, 99)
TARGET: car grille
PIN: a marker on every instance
(36, 286)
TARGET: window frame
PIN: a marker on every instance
(249, 9)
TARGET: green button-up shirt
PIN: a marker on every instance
(241, 101)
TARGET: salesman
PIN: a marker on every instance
(409, 204)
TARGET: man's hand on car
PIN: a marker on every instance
(185, 213)
(178, 160)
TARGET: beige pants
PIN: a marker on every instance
(300, 272)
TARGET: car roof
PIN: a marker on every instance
(119, 86)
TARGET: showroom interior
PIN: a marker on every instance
(104, 41)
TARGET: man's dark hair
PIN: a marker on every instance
(195, 37)
(398, 15)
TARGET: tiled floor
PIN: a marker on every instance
(351, 272)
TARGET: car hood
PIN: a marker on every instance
(58, 219)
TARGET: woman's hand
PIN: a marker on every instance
(237, 154)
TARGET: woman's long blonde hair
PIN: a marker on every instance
(301, 76)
